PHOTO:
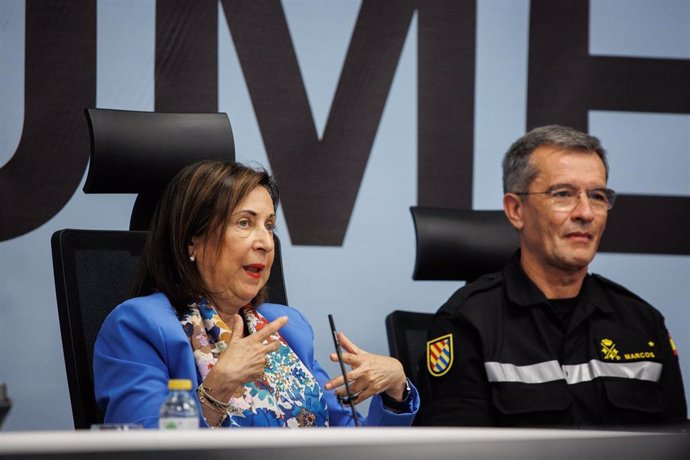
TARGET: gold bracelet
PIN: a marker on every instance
(207, 403)
(218, 424)
(202, 392)
(223, 413)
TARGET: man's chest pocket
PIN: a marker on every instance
(634, 395)
(522, 404)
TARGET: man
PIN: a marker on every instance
(544, 343)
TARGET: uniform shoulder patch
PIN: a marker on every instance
(439, 355)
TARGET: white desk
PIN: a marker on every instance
(346, 444)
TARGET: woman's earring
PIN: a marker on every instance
(192, 258)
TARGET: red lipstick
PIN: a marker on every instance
(254, 270)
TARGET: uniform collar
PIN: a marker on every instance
(596, 295)
(522, 291)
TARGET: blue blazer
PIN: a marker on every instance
(141, 345)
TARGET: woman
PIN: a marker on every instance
(199, 314)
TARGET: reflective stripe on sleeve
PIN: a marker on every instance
(549, 371)
(639, 370)
(533, 373)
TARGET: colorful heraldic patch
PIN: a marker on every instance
(439, 355)
(673, 345)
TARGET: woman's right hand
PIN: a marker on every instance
(244, 360)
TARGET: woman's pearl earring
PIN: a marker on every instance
(192, 258)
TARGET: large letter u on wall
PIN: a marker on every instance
(60, 81)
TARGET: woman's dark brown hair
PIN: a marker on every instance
(199, 199)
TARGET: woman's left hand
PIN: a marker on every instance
(370, 374)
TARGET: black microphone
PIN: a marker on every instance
(349, 399)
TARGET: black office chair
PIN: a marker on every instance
(407, 337)
(461, 244)
(5, 403)
(94, 269)
(452, 244)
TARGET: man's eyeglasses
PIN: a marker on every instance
(566, 198)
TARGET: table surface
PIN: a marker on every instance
(350, 443)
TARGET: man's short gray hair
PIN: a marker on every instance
(518, 173)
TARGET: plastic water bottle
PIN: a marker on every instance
(179, 410)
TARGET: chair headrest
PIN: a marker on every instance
(454, 244)
(140, 152)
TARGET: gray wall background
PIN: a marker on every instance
(370, 275)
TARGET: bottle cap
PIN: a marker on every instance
(179, 384)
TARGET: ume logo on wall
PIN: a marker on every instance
(60, 81)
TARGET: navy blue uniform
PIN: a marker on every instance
(501, 354)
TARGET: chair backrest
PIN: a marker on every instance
(461, 245)
(407, 337)
(452, 244)
(94, 272)
(139, 152)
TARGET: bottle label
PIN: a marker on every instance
(178, 423)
